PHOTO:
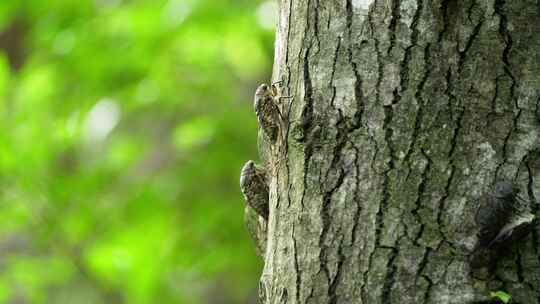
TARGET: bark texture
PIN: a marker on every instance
(405, 112)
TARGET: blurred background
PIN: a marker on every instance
(124, 125)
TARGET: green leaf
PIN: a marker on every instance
(501, 295)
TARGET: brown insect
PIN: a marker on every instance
(254, 186)
(269, 115)
(501, 224)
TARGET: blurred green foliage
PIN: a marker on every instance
(124, 126)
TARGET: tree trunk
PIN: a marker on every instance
(404, 114)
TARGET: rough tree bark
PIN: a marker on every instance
(405, 112)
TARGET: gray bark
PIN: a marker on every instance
(404, 114)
